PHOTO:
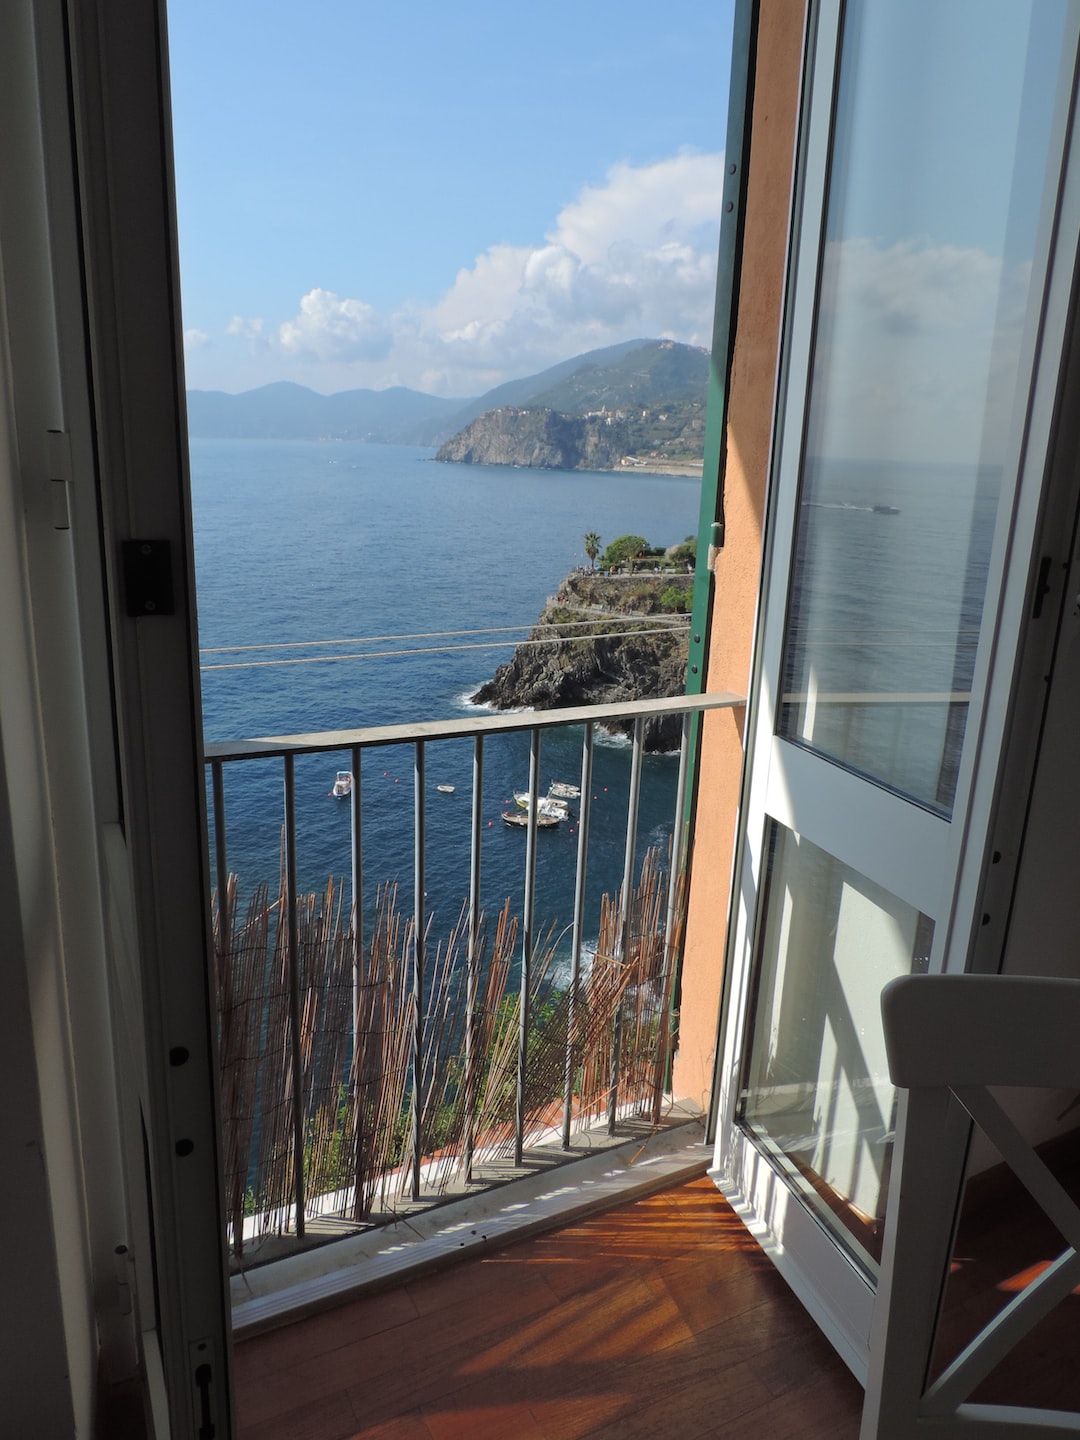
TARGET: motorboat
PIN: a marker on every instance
(546, 805)
(342, 785)
(445, 789)
(562, 790)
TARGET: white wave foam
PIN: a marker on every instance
(464, 701)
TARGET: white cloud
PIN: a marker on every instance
(634, 256)
(645, 207)
(328, 328)
(246, 329)
(195, 340)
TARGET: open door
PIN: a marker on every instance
(931, 267)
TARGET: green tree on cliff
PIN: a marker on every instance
(623, 549)
(592, 547)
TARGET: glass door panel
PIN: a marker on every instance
(940, 157)
(932, 159)
(817, 1095)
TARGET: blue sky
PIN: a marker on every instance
(442, 196)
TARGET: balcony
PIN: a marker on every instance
(373, 1070)
(657, 1318)
(660, 1317)
(447, 1115)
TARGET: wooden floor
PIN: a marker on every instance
(658, 1318)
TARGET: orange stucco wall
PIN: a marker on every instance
(738, 564)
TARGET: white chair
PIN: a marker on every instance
(948, 1038)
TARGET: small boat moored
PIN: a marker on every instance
(342, 785)
(445, 789)
(546, 805)
(519, 820)
(561, 790)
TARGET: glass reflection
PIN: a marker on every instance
(942, 154)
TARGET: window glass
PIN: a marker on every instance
(941, 152)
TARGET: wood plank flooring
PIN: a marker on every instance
(660, 1317)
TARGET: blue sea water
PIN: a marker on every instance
(301, 542)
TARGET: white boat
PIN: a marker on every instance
(446, 789)
(562, 790)
(546, 806)
(342, 785)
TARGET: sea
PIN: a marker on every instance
(343, 585)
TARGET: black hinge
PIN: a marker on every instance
(204, 1376)
(1042, 587)
(148, 583)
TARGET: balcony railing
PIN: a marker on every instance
(363, 1065)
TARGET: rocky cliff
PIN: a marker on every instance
(541, 439)
(606, 640)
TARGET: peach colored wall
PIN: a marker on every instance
(738, 564)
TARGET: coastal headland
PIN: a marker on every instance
(604, 639)
(550, 440)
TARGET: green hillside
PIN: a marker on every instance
(658, 373)
(641, 406)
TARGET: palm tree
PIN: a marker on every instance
(592, 547)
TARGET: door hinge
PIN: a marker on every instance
(58, 472)
(1042, 587)
(204, 1391)
(148, 583)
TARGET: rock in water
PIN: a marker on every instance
(625, 650)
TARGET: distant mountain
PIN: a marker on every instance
(643, 406)
(285, 411)
(656, 376)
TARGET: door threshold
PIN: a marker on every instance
(305, 1283)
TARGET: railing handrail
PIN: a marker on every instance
(517, 720)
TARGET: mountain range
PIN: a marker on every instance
(635, 376)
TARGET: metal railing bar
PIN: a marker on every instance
(473, 960)
(527, 942)
(419, 883)
(626, 916)
(295, 1059)
(577, 934)
(292, 922)
(357, 848)
(514, 722)
(217, 775)
(678, 846)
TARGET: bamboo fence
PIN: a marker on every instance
(356, 1024)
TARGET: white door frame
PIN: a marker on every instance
(103, 73)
